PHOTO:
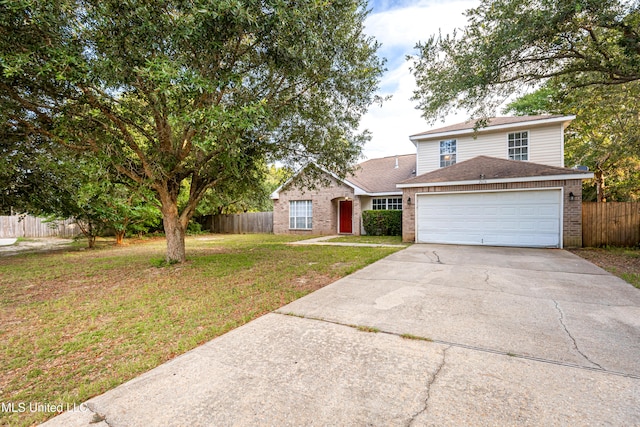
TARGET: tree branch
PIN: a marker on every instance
(121, 125)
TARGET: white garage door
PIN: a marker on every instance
(509, 218)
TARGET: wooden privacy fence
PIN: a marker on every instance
(251, 222)
(31, 226)
(611, 223)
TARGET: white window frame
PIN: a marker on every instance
(386, 203)
(447, 154)
(514, 150)
(300, 214)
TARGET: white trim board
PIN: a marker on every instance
(498, 180)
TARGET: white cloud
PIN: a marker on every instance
(399, 30)
(405, 27)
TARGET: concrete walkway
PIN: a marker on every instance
(432, 335)
(325, 241)
(33, 244)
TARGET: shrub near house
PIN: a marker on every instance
(382, 223)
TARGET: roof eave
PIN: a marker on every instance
(382, 193)
(565, 120)
(587, 175)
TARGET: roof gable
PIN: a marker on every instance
(486, 169)
(330, 175)
(493, 124)
(371, 177)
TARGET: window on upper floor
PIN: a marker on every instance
(384, 203)
(447, 152)
(519, 145)
(300, 214)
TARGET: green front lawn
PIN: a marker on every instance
(76, 323)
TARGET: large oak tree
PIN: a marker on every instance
(195, 92)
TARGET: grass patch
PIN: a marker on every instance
(633, 278)
(621, 262)
(380, 240)
(367, 329)
(74, 324)
(415, 337)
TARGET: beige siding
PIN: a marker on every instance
(365, 205)
(365, 202)
(428, 156)
(545, 147)
(492, 144)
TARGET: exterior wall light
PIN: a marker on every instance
(572, 196)
(408, 200)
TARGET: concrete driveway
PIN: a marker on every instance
(432, 335)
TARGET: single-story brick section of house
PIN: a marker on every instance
(336, 207)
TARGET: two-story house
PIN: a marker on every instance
(504, 184)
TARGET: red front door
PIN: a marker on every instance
(346, 216)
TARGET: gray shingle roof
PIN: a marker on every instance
(490, 168)
(494, 121)
(381, 175)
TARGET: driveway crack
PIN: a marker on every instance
(437, 258)
(97, 417)
(486, 282)
(575, 344)
(433, 378)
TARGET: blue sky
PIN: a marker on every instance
(398, 25)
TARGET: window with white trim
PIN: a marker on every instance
(387, 203)
(519, 145)
(300, 214)
(447, 152)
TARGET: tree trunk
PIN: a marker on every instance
(119, 237)
(174, 231)
(88, 231)
(598, 176)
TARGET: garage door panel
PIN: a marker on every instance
(489, 211)
(547, 226)
(509, 218)
(548, 211)
(510, 225)
(510, 210)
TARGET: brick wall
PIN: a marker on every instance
(572, 215)
(325, 201)
(572, 221)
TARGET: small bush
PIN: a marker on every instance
(194, 227)
(382, 223)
